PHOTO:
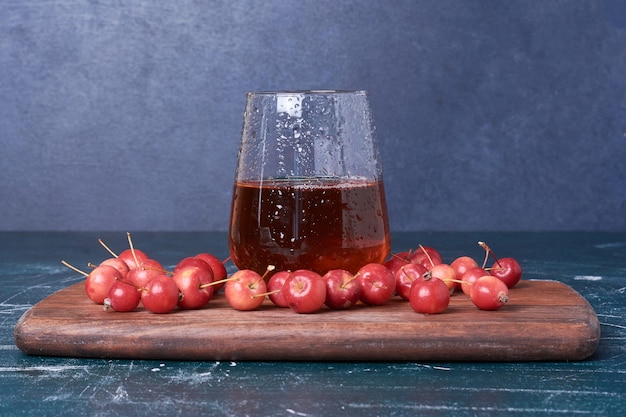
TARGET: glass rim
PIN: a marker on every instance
(305, 92)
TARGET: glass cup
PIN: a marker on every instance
(308, 190)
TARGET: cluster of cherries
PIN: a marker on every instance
(124, 281)
(427, 282)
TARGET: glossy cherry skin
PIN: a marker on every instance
(123, 297)
(489, 293)
(99, 282)
(304, 291)
(406, 275)
(342, 289)
(508, 270)
(429, 296)
(377, 282)
(160, 295)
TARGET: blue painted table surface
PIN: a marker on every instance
(593, 263)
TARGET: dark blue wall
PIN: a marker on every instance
(491, 115)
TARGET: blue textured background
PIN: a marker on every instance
(491, 115)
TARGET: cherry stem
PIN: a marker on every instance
(427, 255)
(348, 281)
(488, 252)
(221, 281)
(406, 274)
(458, 281)
(266, 293)
(394, 255)
(127, 282)
(73, 268)
(132, 249)
(269, 269)
(107, 248)
(226, 260)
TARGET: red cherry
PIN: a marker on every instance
(304, 291)
(127, 256)
(426, 256)
(397, 260)
(122, 297)
(160, 294)
(141, 274)
(274, 287)
(218, 267)
(342, 289)
(377, 283)
(461, 265)
(99, 282)
(118, 264)
(405, 276)
(489, 293)
(190, 281)
(445, 273)
(469, 277)
(508, 270)
(244, 290)
(429, 296)
(193, 261)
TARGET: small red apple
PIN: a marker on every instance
(122, 297)
(99, 282)
(429, 296)
(489, 293)
(507, 270)
(244, 290)
(426, 256)
(342, 289)
(461, 265)
(160, 294)
(469, 277)
(192, 261)
(377, 283)
(128, 257)
(190, 281)
(141, 274)
(274, 287)
(219, 270)
(445, 273)
(397, 260)
(304, 291)
(405, 276)
(118, 264)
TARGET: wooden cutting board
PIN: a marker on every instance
(544, 320)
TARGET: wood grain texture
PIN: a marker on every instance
(544, 320)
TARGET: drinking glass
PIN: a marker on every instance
(308, 190)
